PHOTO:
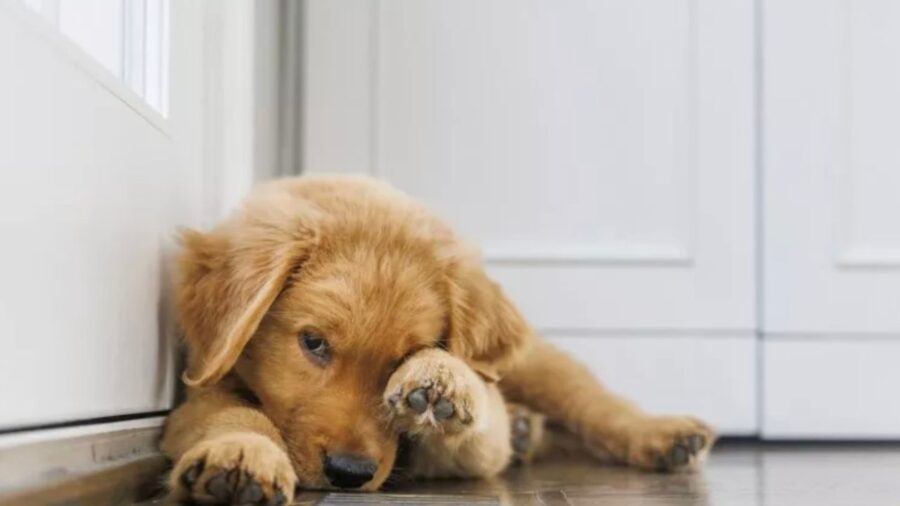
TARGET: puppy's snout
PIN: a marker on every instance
(349, 471)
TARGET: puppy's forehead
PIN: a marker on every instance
(386, 298)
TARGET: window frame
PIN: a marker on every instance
(145, 45)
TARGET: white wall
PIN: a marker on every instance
(94, 183)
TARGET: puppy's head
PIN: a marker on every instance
(310, 301)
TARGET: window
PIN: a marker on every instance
(128, 37)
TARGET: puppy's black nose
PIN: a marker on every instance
(348, 471)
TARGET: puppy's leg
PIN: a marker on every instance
(535, 440)
(527, 428)
(459, 424)
(226, 452)
(551, 382)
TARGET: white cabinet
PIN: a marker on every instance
(831, 117)
(600, 152)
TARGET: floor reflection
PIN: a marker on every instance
(738, 474)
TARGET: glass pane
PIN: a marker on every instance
(34, 4)
(96, 26)
(128, 37)
(156, 61)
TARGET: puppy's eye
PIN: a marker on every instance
(315, 346)
(442, 339)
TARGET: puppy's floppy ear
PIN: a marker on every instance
(228, 280)
(485, 328)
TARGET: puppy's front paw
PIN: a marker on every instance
(435, 392)
(669, 443)
(238, 468)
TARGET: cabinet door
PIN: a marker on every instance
(832, 217)
(94, 176)
(601, 152)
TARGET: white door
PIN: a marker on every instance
(100, 157)
(601, 152)
(832, 218)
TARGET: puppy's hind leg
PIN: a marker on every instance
(553, 383)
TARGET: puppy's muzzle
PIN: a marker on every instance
(348, 471)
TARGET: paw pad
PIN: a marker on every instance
(671, 443)
(418, 400)
(526, 432)
(426, 400)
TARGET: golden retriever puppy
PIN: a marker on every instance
(330, 315)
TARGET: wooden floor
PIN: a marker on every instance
(736, 475)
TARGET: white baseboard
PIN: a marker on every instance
(42, 456)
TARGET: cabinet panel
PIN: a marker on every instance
(831, 389)
(832, 219)
(570, 139)
(581, 115)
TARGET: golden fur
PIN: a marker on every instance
(405, 306)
